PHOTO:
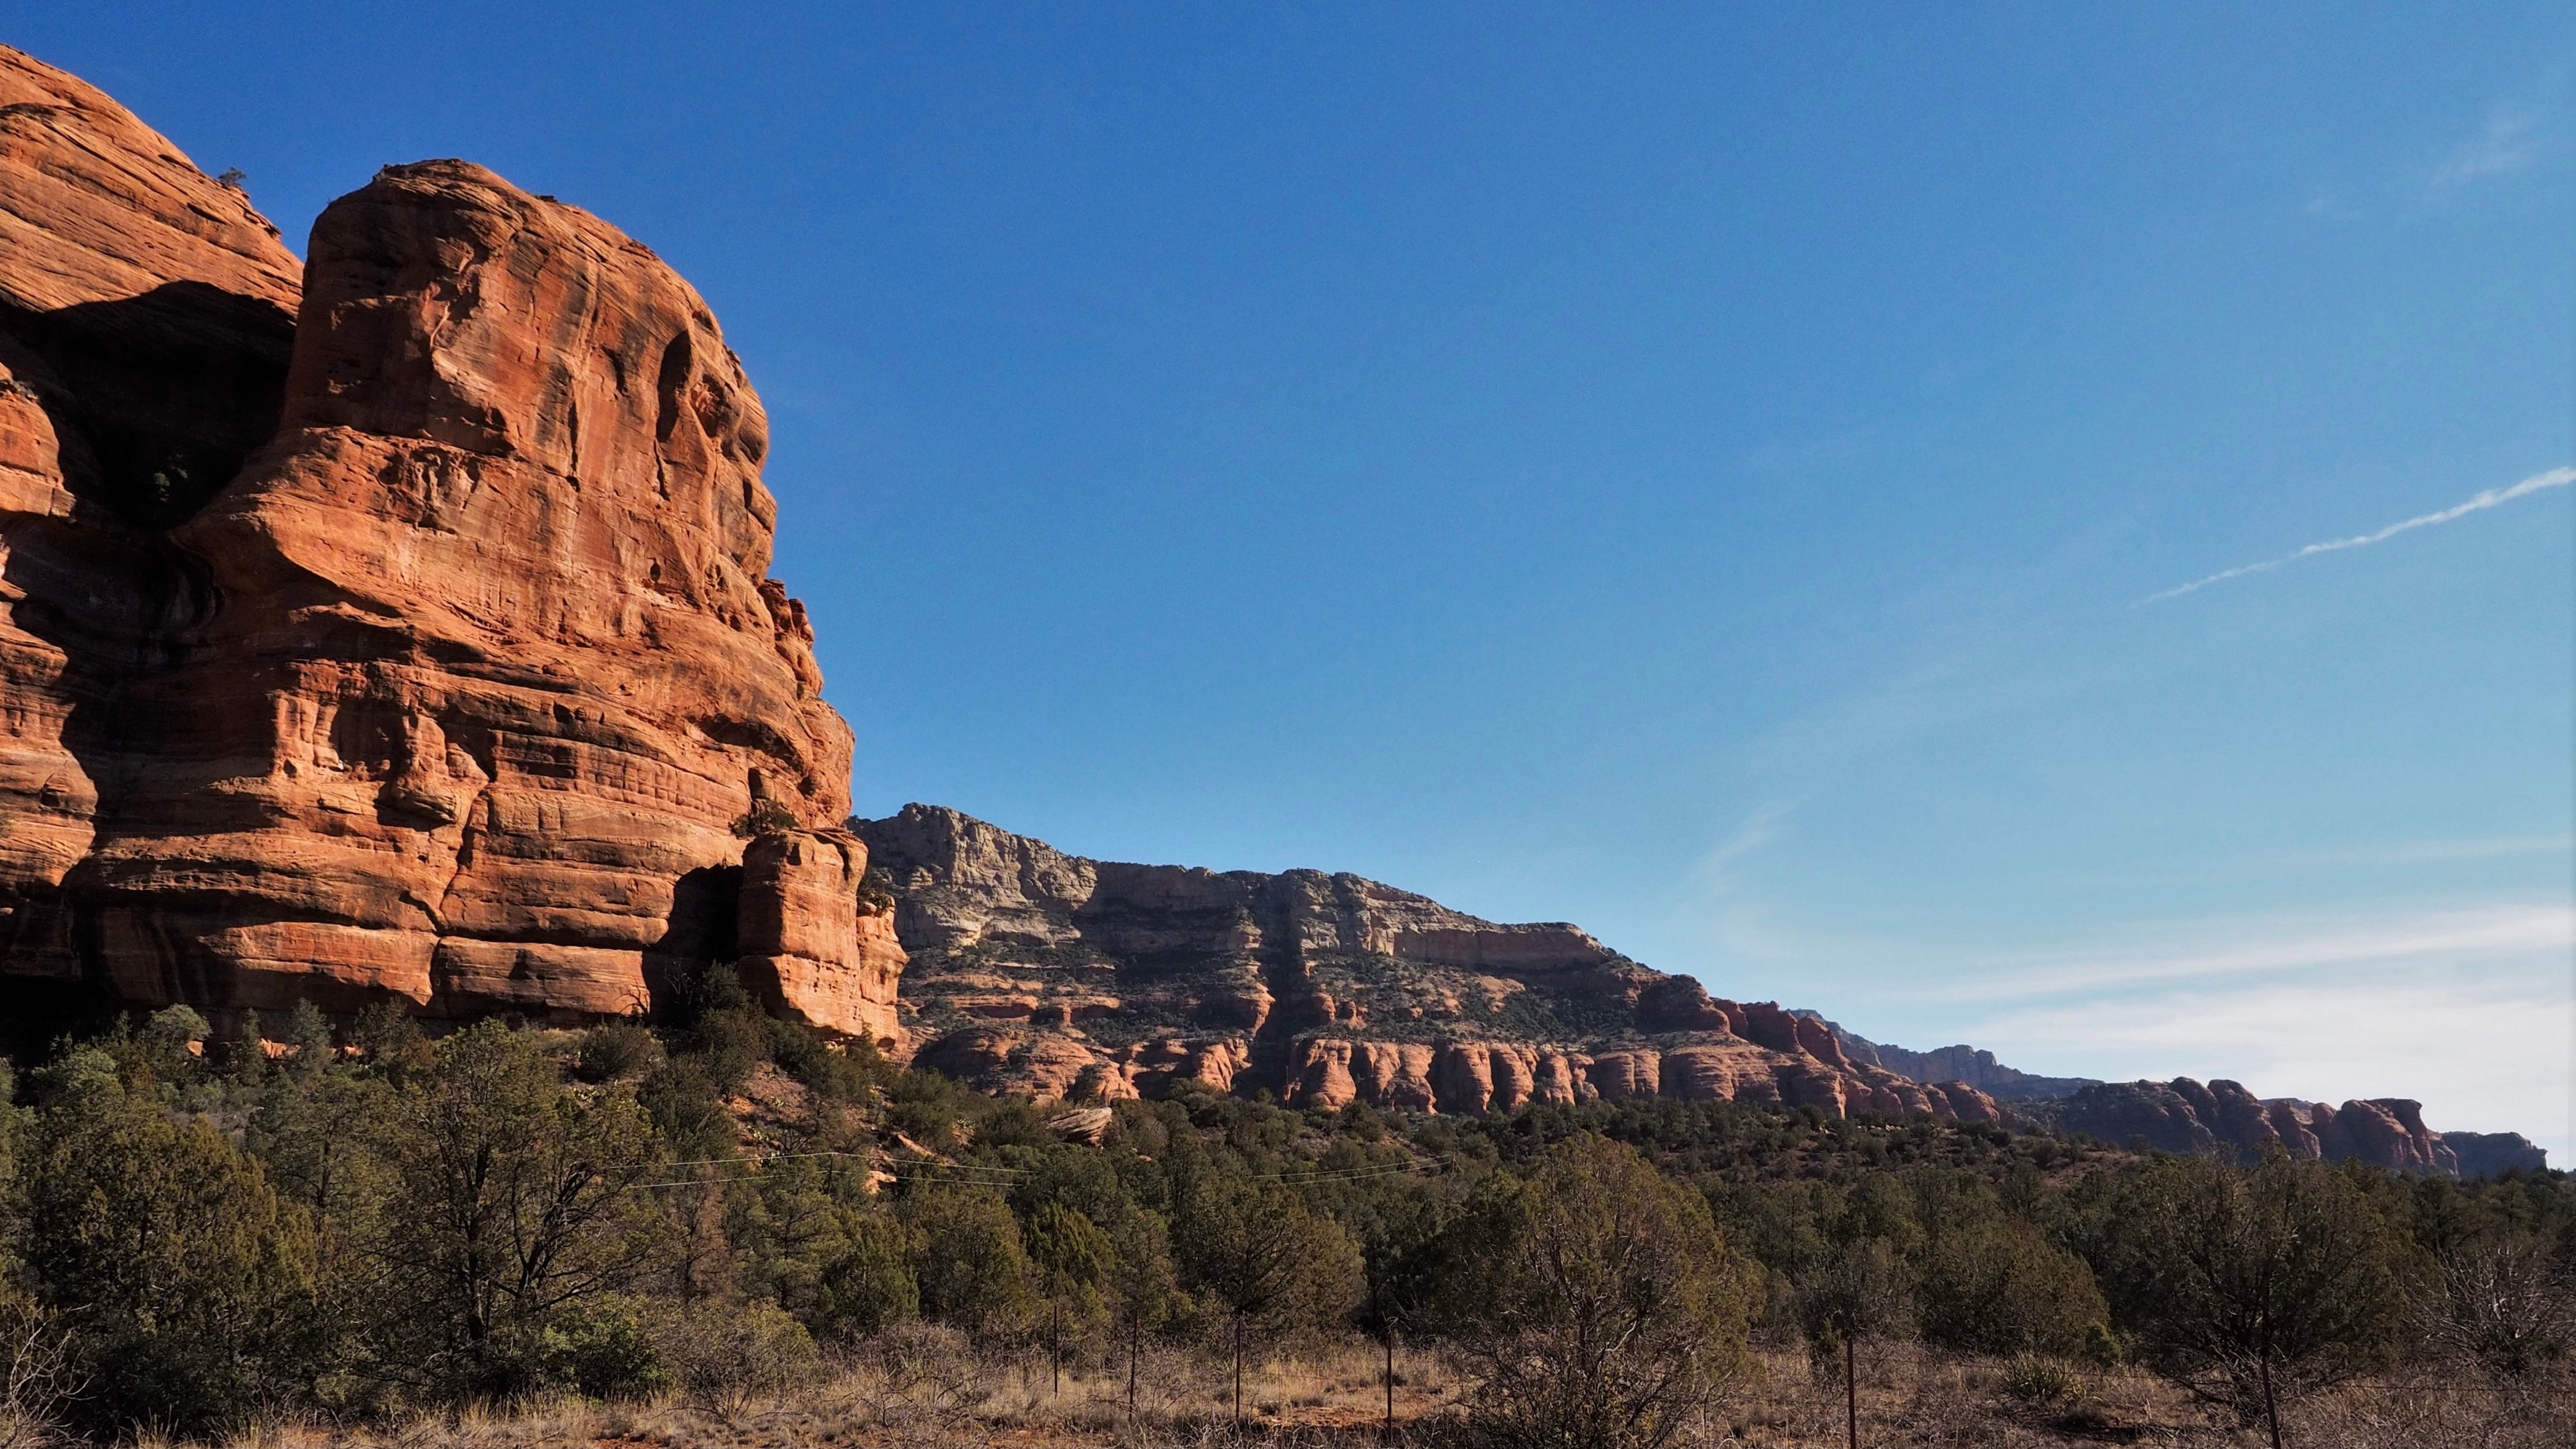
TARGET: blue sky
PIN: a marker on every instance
(1701, 472)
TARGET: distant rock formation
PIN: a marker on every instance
(1057, 976)
(2493, 1154)
(1040, 972)
(2184, 1116)
(1972, 1065)
(393, 626)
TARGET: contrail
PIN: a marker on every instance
(2554, 478)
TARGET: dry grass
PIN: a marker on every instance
(930, 1389)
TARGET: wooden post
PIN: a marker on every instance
(1389, 1330)
(1135, 1350)
(1055, 1342)
(1851, 1390)
(2271, 1408)
(1238, 1368)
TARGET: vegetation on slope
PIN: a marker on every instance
(199, 1233)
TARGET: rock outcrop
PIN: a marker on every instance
(1972, 1065)
(421, 646)
(2493, 1154)
(1036, 971)
(2184, 1116)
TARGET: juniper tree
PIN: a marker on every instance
(187, 1282)
(1269, 1261)
(1600, 1305)
(2247, 1288)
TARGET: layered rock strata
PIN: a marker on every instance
(146, 323)
(1040, 972)
(420, 647)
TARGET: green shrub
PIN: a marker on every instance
(971, 1269)
(2040, 1382)
(170, 1040)
(869, 1286)
(390, 1042)
(2247, 1288)
(1602, 1309)
(687, 1110)
(765, 817)
(705, 989)
(603, 1348)
(728, 1356)
(846, 1074)
(167, 1253)
(308, 1039)
(926, 1107)
(515, 1200)
(732, 1042)
(2000, 1287)
(617, 1049)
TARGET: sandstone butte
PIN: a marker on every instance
(396, 626)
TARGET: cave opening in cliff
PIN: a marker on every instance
(157, 399)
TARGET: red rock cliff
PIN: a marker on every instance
(1042, 972)
(442, 662)
(146, 319)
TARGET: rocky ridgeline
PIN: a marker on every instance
(393, 625)
(2186, 1116)
(1973, 1065)
(1036, 971)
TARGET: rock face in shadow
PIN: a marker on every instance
(422, 647)
(146, 323)
(2493, 1154)
(1036, 971)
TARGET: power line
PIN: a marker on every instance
(991, 1175)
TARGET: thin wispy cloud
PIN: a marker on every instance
(2252, 949)
(2510, 142)
(1716, 872)
(2491, 498)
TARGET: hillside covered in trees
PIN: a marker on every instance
(720, 1209)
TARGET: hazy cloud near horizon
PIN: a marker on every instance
(2463, 1007)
